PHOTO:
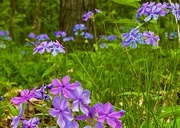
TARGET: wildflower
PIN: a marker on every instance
(25, 96)
(173, 35)
(97, 10)
(71, 124)
(42, 37)
(40, 93)
(60, 34)
(150, 38)
(56, 48)
(70, 38)
(102, 36)
(61, 110)
(32, 123)
(49, 86)
(42, 47)
(16, 119)
(32, 35)
(4, 33)
(144, 9)
(106, 112)
(78, 28)
(91, 114)
(164, 8)
(1, 98)
(175, 9)
(132, 38)
(111, 37)
(80, 98)
(103, 45)
(87, 16)
(153, 13)
(88, 36)
(65, 87)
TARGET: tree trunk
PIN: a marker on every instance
(71, 12)
(12, 15)
(37, 17)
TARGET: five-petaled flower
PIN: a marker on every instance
(65, 87)
(61, 110)
(26, 95)
(106, 112)
(80, 98)
(150, 38)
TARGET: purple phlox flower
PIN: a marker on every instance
(132, 38)
(154, 13)
(97, 10)
(49, 86)
(175, 9)
(42, 47)
(88, 35)
(91, 114)
(56, 48)
(144, 9)
(61, 110)
(102, 36)
(87, 16)
(16, 119)
(70, 38)
(163, 7)
(65, 87)
(1, 98)
(106, 112)
(71, 124)
(32, 35)
(99, 125)
(4, 33)
(40, 93)
(111, 37)
(42, 37)
(78, 27)
(103, 45)
(31, 123)
(150, 38)
(80, 98)
(25, 95)
(60, 34)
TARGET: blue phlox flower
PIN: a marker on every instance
(32, 35)
(67, 39)
(42, 37)
(88, 35)
(60, 34)
(132, 38)
(87, 16)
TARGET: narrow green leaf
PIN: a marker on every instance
(133, 3)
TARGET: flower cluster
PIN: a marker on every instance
(134, 37)
(49, 46)
(4, 36)
(79, 29)
(106, 39)
(152, 11)
(67, 98)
